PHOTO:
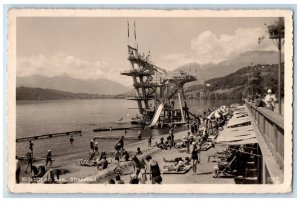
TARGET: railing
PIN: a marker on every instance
(271, 126)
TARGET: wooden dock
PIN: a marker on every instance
(113, 129)
(77, 132)
(116, 138)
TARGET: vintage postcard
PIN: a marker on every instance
(149, 101)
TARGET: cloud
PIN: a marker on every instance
(67, 64)
(208, 47)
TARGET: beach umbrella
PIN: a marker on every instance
(215, 114)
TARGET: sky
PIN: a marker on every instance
(96, 47)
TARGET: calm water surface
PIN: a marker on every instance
(43, 117)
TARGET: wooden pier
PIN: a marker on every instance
(116, 138)
(77, 132)
(113, 129)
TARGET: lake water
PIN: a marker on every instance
(44, 117)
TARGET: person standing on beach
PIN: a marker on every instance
(188, 142)
(139, 135)
(154, 174)
(30, 145)
(120, 144)
(92, 144)
(195, 157)
(49, 158)
(71, 139)
(18, 171)
(29, 160)
(172, 136)
(150, 140)
(96, 148)
(117, 156)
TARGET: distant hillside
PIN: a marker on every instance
(25, 93)
(239, 84)
(208, 71)
(65, 83)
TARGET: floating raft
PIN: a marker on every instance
(78, 132)
(112, 129)
(25, 158)
(116, 137)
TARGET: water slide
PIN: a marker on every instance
(156, 115)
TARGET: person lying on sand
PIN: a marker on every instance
(176, 166)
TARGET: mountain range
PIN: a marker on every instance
(65, 83)
(204, 72)
(103, 86)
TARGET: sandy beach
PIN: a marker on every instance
(85, 174)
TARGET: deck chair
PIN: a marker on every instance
(226, 169)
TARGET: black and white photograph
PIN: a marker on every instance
(180, 101)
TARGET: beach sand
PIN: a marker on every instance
(83, 174)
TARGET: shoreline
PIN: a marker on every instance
(90, 175)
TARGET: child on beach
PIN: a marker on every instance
(139, 152)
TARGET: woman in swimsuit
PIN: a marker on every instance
(195, 158)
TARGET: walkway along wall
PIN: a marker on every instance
(269, 128)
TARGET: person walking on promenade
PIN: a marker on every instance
(270, 100)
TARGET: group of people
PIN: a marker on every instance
(169, 142)
(139, 173)
(34, 170)
(268, 101)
